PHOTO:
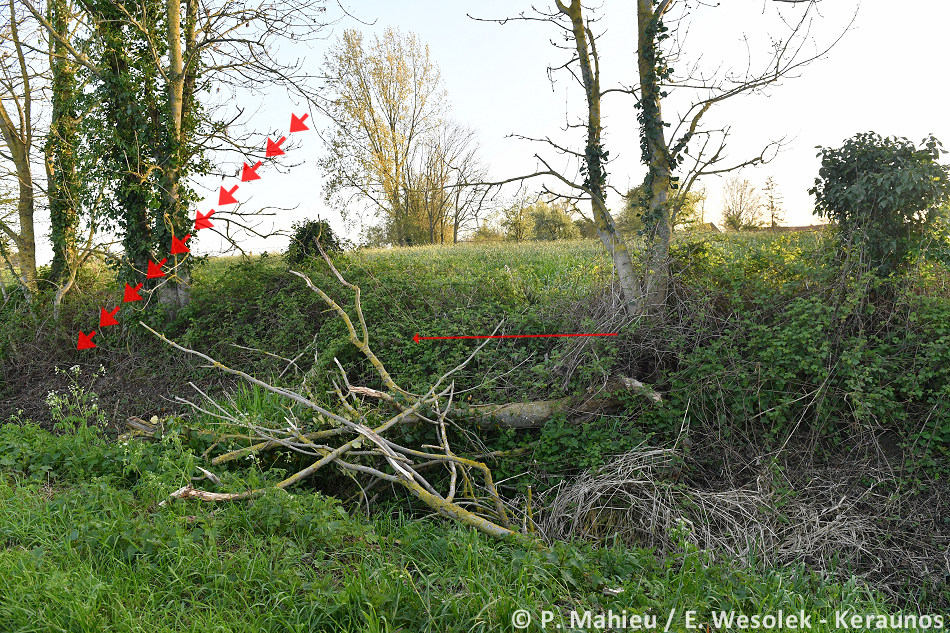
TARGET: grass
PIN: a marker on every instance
(84, 546)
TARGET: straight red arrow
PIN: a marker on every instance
(227, 197)
(132, 294)
(296, 125)
(202, 221)
(108, 318)
(418, 338)
(85, 340)
(155, 270)
(250, 173)
(178, 245)
(273, 149)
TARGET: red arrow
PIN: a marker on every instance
(273, 149)
(296, 125)
(227, 197)
(178, 245)
(85, 340)
(250, 173)
(418, 338)
(155, 270)
(202, 221)
(108, 318)
(132, 294)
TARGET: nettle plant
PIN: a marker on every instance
(888, 197)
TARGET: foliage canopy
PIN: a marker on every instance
(885, 194)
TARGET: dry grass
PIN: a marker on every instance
(837, 520)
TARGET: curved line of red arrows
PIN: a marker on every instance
(202, 221)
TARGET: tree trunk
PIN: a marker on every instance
(174, 294)
(595, 155)
(176, 75)
(26, 240)
(18, 140)
(656, 154)
(61, 150)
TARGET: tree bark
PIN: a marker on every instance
(657, 153)
(595, 156)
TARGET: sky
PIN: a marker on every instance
(883, 76)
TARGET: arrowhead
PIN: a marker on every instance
(132, 294)
(85, 340)
(178, 245)
(227, 197)
(296, 125)
(107, 318)
(273, 149)
(250, 173)
(416, 337)
(202, 221)
(155, 270)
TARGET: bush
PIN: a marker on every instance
(302, 241)
(552, 223)
(487, 232)
(885, 194)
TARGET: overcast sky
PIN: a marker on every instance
(887, 74)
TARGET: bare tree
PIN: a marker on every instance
(676, 153)
(443, 165)
(742, 205)
(18, 78)
(468, 200)
(773, 202)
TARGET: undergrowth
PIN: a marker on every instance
(773, 355)
(85, 546)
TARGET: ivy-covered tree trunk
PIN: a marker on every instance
(655, 154)
(595, 155)
(174, 293)
(127, 132)
(148, 127)
(61, 149)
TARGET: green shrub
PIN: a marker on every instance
(777, 344)
(551, 223)
(302, 241)
(885, 194)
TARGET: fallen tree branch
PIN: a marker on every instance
(389, 461)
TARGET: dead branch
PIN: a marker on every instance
(362, 448)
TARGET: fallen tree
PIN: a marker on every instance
(352, 444)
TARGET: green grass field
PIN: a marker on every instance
(86, 548)
(784, 371)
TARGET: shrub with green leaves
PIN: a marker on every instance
(551, 223)
(885, 194)
(302, 239)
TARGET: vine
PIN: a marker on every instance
(178, 247)
(653, 150)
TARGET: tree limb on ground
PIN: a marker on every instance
(359, 448)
